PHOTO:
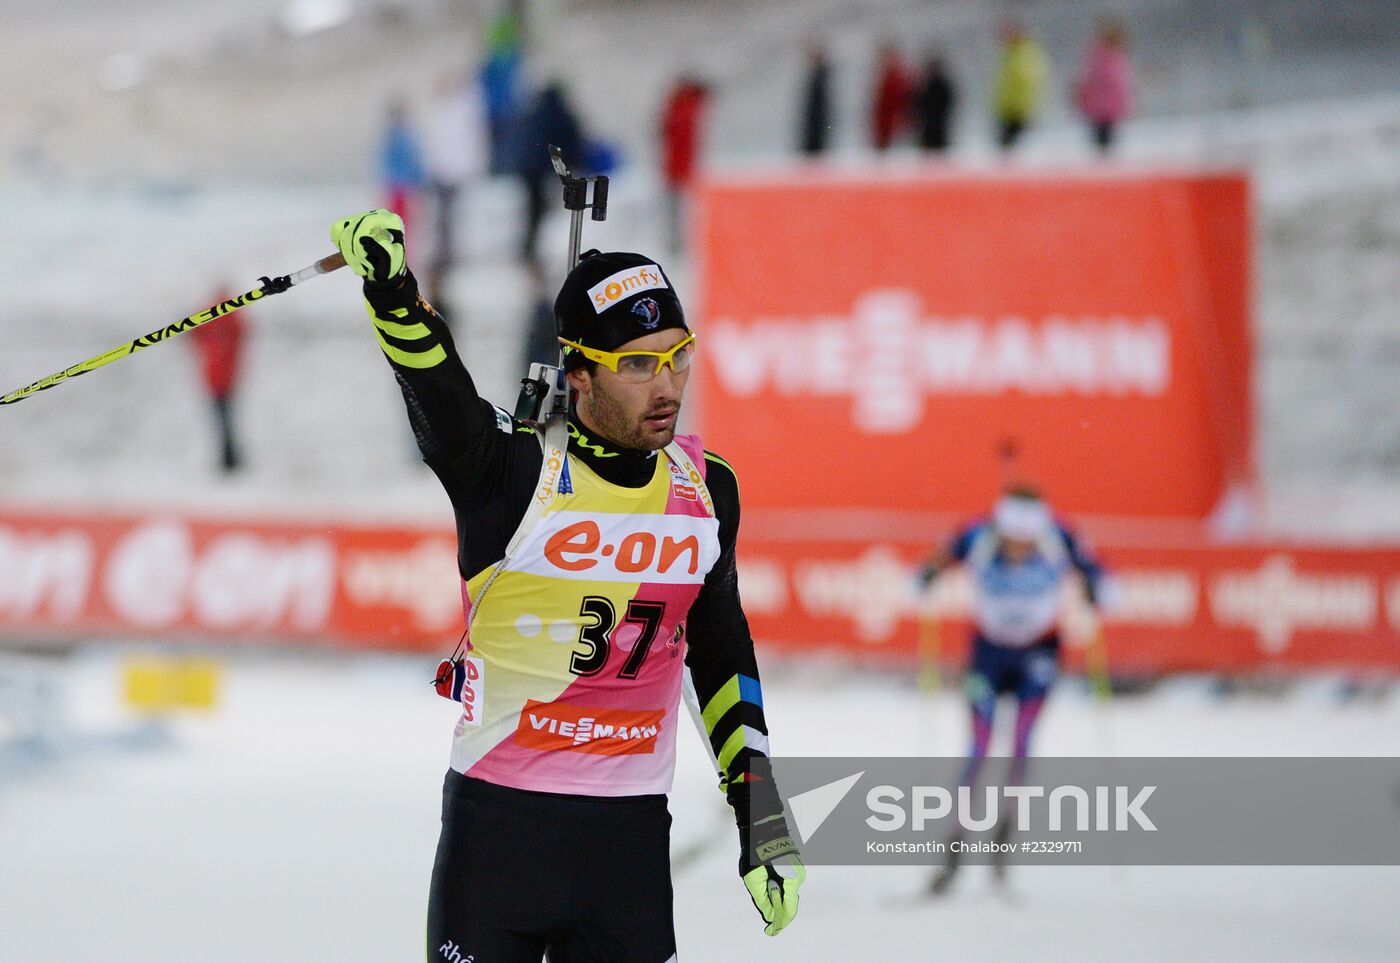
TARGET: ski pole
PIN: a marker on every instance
(930, 679)
(269, 286)
(1096, 665)
(1096, 668)
(930, 638)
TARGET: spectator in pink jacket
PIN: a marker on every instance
(1105, 88)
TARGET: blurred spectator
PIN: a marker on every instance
(456, 149)
(816, 102)
(1105, 89)
(219, 344)
(889, 111)
(500, 86)
(550, 120)
(1020, 83)
(682, 120)
(400, 163)
(933, 105)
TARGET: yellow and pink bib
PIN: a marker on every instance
(575, 642)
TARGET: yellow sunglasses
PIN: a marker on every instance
(638, 366)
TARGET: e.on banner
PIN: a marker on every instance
(73, 575)
(873, 341)
(69, 575)
(1200, 608)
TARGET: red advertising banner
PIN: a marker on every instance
(909, 325)
(1217, 609)
(163, 576)
(170, 577)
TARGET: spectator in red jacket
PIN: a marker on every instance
(682, 122)
(219, 344)
(894, 86)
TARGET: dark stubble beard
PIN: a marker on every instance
(608, 417)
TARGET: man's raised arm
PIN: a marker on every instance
(447, 414)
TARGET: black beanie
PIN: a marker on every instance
(610, 299)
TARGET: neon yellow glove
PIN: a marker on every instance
(773, 889)
(372, 244)
(772, 870)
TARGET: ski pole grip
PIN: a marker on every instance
(326, 265)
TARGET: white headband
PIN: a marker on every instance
(1024, 519)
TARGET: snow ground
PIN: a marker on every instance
(298, 822)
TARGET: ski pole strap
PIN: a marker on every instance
(554, 468)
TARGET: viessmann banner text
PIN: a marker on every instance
(909, 325)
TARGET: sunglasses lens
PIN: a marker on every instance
(681, 359)
(636, 367)
(644, 366)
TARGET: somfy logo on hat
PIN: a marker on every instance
(611, 289)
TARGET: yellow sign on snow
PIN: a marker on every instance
(157, 685)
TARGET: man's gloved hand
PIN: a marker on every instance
(769, 863)
(926, 575)
(372, 244)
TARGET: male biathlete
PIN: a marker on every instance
(597, 559)
(1018, 560)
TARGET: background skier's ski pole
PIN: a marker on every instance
(269, 286)
(930, 653)
(1096, 669)
(930, 649)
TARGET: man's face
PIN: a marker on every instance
(1017, 550)
(633, 415)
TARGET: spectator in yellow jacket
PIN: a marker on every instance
(1020, 83)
